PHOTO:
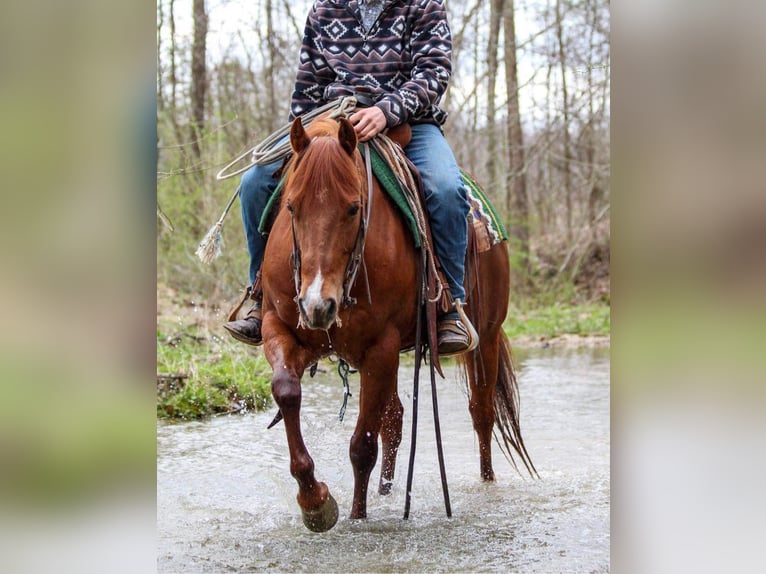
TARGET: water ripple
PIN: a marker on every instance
(226, 500)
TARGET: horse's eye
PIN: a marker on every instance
(353, 209)
(290, 207)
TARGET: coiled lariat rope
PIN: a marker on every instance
(270, 150)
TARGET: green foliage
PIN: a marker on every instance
(221, 376)
(192, 207)
(559, 319)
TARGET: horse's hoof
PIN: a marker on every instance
(323, 518)
(384, 488)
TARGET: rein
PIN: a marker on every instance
(419, 356)
(356, 260)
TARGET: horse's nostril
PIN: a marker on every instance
(317, 314)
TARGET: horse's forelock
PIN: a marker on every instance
(324, 165)
(322, 127)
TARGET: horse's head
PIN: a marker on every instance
(323, 193)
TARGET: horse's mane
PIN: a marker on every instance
(324, 165)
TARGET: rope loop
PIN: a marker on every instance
(270, 150)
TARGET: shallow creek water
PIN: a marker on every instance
(226, 500)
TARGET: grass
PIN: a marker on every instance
(216, 375)
(549, 321)
(201, 373)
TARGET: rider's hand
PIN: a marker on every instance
(368, 122)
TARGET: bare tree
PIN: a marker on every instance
(173, 74)
(565, 109)
(198, 76)
(271, 67)
(516, 199)
(495, 19)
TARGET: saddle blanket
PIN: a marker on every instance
(486, 222)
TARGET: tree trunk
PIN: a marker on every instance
(590, 144)
(198, 76)
(545, 193)
(174, 76)
(565, 109)
(595, 194)
(517, 206)
(495, 18)
(273, 120)
(473, 156)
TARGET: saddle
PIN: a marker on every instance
(486, 224)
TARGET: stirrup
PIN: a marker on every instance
(473, 336)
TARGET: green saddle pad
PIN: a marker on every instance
(481, 207)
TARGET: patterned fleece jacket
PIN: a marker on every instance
(403, 62)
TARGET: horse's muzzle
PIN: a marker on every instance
(318, 313)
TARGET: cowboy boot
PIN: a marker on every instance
(452, 335)
(455, 334)
(248, 330)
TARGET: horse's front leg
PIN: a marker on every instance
(391, 438)
(378, 384)
(288, 360)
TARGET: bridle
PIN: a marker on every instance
(356, 258)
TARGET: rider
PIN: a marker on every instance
(396, 55)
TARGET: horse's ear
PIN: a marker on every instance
(347, 136)
(298, 138)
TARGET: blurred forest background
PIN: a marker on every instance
(529, 117)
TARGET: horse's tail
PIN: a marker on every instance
(507, 429)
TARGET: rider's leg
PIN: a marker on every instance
(256, 187)
(447, 209)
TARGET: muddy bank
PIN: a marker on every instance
(565, 341)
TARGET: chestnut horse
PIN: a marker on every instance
(315, 233)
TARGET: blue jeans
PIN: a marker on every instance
(445, 201)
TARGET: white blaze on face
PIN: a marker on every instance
(314, 294)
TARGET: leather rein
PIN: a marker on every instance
(356, 258)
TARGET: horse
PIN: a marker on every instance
(307, 314)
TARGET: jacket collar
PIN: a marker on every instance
(353, 6)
